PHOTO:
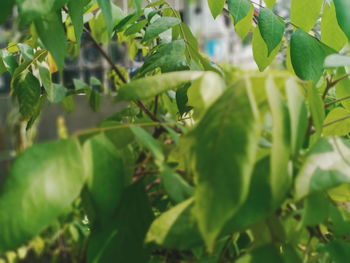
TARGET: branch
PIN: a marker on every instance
(336, 101)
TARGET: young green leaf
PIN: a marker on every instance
(226, 135)
(304, 14)
(216, 7)
(271, 29)
(150, 86)
(308, 55)
(331, 33)
(316, 108)
(159, 26)
(43, 182)
(337, 122)
(260, 51)
(270, 3)
(342, 8)
(106, 8)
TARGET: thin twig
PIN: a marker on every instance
(336, 120)
(336, 101)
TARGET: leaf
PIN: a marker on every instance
(270, 3)
(27, 90)
(316, 209)
(226, 135)
(342, 88)
(239, 9)
(148, 87)
(267, 253)
(260, 51)
(106, 8)
(259, 202)
(105, 177)
(245, 25)
(331, 33)
(216, 7)
(342, 7)
(6, 10)
(137, 4)
(30, 10)
(326, 166)
(271, 29)
(121, 240)
(337, 122)
(338, 250)
(76, 12)
(280, 175)
(298, 115)
(175, 186)
(135, 27)
(159, 26)
(51, 32)
(175, 228)
(336, 61)
(55, 92)
(167, 57)
(304, 14)
(316, 108)
(95, 100)
(150, 143)
(42, 183)
(308, 55)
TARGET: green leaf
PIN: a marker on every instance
(159, 26)
(326, 166)
(106, 8)
(267, 253)
(121, 240)
(316, 107)
(245, 25)
(239, 9)
(336, 61)
(167, 57)
(150, 143)
(342, 88)
(30, 10)
(308, 55)
(281, 149)
(259, 202)
(43, 182)
(6, 9)
(27, 90)
(304, 14)
(105, 177)
(342, 9)
(135, 27)
(298, 115)
(331, 33)
(137, 4)
(337, 122)
(270, 3)
(76, 12)
(175, 186)
(51, 32)
(216, 7)
(260, 51)
(338, 250)
(148, 87)
(316, 209)
(271, 29)
(55, 92)
(95, 100)
(175, 228)
(226, 135)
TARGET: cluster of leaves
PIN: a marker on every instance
(206, 163)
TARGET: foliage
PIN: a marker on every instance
(206, 163)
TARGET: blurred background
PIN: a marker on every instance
(217, 39)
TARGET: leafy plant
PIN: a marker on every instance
(206, 163)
